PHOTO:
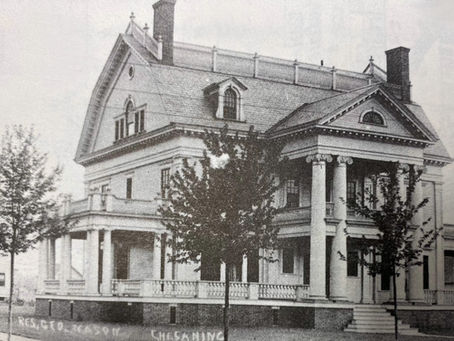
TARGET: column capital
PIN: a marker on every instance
(344, 160)
(319, 158)
(403, 167)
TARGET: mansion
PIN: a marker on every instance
(148, 111)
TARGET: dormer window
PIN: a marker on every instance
(131, 122)
(373, 117)
(226, 98)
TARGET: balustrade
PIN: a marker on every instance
(207, 289)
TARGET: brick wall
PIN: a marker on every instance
(152, 314)
(427, 320)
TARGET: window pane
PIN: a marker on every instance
(230, 104)
(293, 193)
(288, 260)
(351, 191)
(2, 279)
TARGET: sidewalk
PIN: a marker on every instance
(4, 337)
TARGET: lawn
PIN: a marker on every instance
(49, 329)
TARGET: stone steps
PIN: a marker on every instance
(375, 319)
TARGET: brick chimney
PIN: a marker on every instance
(163, 23)
(398, 70)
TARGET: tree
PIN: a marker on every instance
(27, 214)
(222, 206)
(399, 244)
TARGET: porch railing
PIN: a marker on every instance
(208, 289)
(440, 297)
(51, 286)
(283, 291)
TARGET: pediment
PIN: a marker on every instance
(389, 121)
(231, 81)
(399, 119)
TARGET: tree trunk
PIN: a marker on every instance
(395, 304)
(226, 302)
(11, 288)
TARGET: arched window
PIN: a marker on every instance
(230, 100)
(129, 107)
(373, 117)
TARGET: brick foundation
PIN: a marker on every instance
(427, 320)
(153, 314)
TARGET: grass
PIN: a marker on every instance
(26, 324)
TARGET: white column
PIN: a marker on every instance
(318, 226)
(400, 280)
(157, 257)
(65, 262)
(107, 263)
(338, 267)
(439, 247)
(42, 275)
(51, 259)
(168, 266)
(86, 257)
(93, 268)
(222, 272)
(244, 270)
(415, 281)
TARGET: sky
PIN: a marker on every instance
(52, 52)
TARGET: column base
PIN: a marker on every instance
(318, 298)
(417, 301)
(338, 298)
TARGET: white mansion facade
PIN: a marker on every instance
(150, 105)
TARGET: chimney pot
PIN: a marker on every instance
(398, 70)
(163, 25)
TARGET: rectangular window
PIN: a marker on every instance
(117, 130)
(165, 182)
(136, 122)
(142, 120)
(351, 191)
(128, 188)
(288, 260)
(173, 315)
(293, 193)
(329, 191)
(2, 279)
(449, 267)
(352, 263)
(425, 262)
(122, 128)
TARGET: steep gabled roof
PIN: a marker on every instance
(269, 104)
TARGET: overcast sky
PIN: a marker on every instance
(51, 53)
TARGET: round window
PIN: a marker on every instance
(131, 71)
